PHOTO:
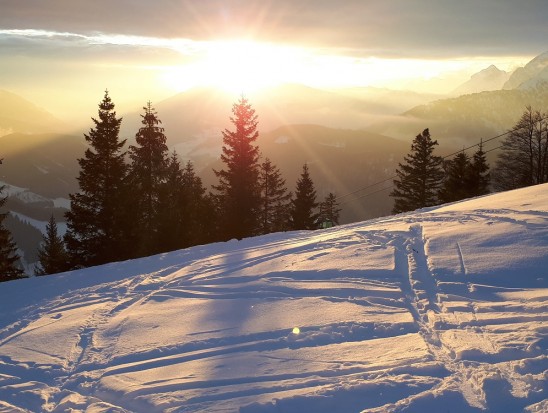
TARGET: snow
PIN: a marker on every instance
(441, 310)
(10, 190)
(41, 225)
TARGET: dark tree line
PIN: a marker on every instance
(142, 201)
(424, 179)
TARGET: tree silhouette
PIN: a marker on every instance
(9, 270)
(95, 222)
(52, 256)
(274, 199)
(303, 206)
(419, 178)
(479, 176)
(238, 192)
(329, 211)
(524, 157)
(456, 182)
(148, 169)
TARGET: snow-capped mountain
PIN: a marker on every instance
(530, 75)
(491, 78)
(439, 310)
(466, 119)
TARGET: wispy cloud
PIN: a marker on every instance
(390, 28)
(183, 46)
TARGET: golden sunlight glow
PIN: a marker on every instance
(237, 66)
(245, 66)
(296, 330)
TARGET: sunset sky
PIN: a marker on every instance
(62, 54)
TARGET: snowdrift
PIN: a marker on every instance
(441, 310)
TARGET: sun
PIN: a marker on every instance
(244, 66)
(237, 66)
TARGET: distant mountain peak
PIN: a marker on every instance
(532, 74)
(488, 79)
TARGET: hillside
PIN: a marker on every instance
(45, 163)
(437, 310)
(465, 119)
(19, 115)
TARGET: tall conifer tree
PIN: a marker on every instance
(148, 172)
(52, 256)
(303, 205)
(197, 209)
(419, 178)
(329, 211)
(456, 182)
(274, 199)
(479, 175)
(172, 220)
(238, 190)
(95, 229)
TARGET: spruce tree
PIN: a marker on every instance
(238, 191)
(329, 211)
(95, 222)
(456, 181)
(274, 199)
(303, 206)
(172, 220)
(198, 210)
(479, 177)
(52, 256)
(148, 169)
(419, 178)
(9, 269)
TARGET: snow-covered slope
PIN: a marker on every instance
(443, 310)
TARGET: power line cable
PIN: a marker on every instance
(481, 142)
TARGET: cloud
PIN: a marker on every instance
(402, 28)
(48, 45)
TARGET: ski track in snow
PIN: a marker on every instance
(427, 311)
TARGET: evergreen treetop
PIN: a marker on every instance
(479, 176)
(238, 183)
(94, 223)
(329, 211)
(52, 255)
(419, 177)
(148, 171)
(456, 181)
(303, 205)
(274, 198)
